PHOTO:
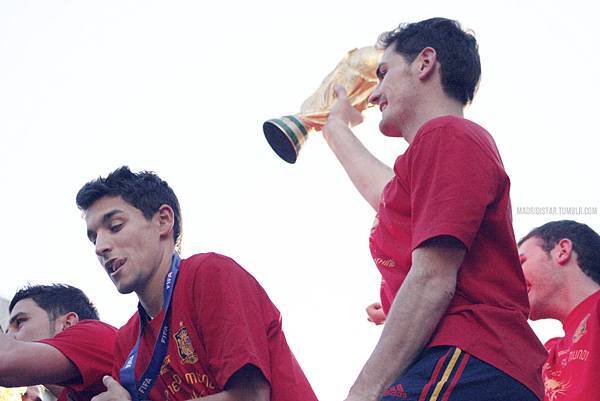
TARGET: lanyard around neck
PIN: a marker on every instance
(140, 390)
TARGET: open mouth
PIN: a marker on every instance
(113, 265)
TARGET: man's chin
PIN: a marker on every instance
(533, 313)
(389, 130)
(123, 288)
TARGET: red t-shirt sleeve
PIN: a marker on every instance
(228, 304)
(89, 345)
(452, 182)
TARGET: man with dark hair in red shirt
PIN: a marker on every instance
(54, 338)
(561, 263)
(453, 294)
(204, 327)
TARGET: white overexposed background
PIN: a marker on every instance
(182, 88)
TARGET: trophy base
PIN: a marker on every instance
(286, 135)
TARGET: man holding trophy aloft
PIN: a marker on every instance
(453, 294)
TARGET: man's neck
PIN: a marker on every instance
(434, 110)
(581, 289)
(152, 295)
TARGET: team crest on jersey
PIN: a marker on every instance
(581, 329)
(184, 345)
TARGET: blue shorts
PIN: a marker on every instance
(450, 374)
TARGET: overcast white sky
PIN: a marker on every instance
(182, 88)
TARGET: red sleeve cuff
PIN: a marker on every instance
(450, 230)
(225, 373)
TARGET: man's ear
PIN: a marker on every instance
(65, 321)
(71, 319)
(166, 220)
(426, 63)
(563, 251)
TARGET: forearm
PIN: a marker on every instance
(222, 396)
(7, 368)
(29, 363)
(368, 174)
(247, 384)
(415, 313)
(233, 395)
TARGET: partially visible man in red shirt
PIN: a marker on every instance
(561, 263)
(54, 338)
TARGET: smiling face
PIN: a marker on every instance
(396, 93)
(29, 322)
(543, 279)
(129, 246)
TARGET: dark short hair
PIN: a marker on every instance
(57, 300)
(145, 191)
(586, 243)
(457, 52)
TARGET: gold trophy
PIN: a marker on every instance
(356, 73)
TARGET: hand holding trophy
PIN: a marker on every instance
(356, 73)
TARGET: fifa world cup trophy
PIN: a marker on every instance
(356, 73)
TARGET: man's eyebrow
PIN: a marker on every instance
(110, 214)
(105, 219)
(15, 317)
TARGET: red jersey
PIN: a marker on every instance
(572, 370)
(451, 181)
(89, 344)
(221, 320)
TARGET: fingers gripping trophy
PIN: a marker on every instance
(356, 73)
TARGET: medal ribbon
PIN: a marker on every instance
(140, 390)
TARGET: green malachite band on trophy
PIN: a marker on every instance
(298, 124)
(286, 135)
(294, 127)
(288, 130)
(297, 128)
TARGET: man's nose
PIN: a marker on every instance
(103, 246)
(375, 96)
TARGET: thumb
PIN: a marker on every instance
(109, 382)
